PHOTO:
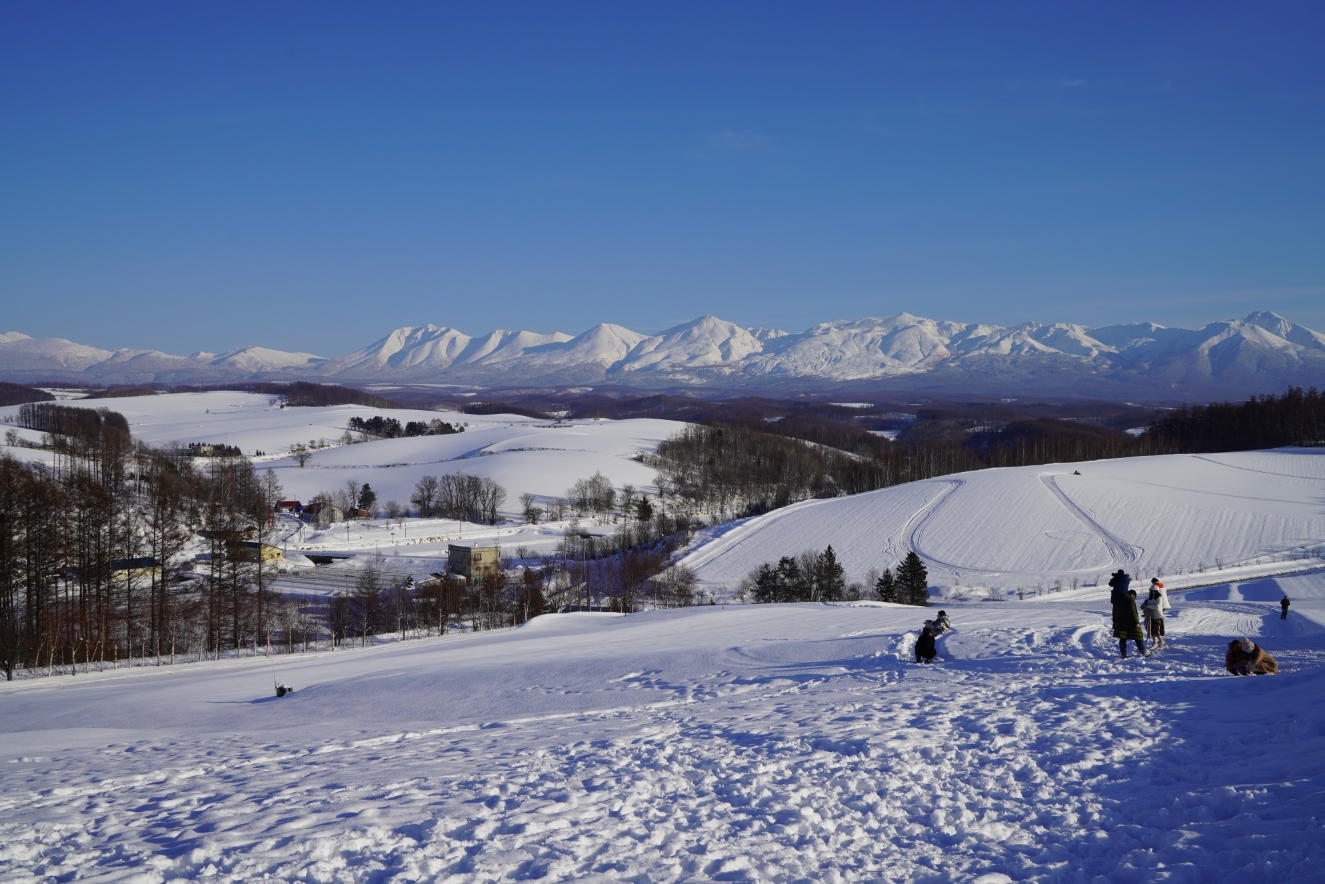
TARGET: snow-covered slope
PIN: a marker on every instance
(755, 743)
(20, 353)
(1183, 516)
(1262, 352)
(258, 359)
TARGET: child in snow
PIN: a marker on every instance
(1248, 658)
(1258, 661)
(941, 623)
(925, 650)
(1163, 593)
(1153, 607)
(1235, 661)
(1126, 623)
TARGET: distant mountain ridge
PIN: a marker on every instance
(1260, 352)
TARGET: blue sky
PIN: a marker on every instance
(311, 175)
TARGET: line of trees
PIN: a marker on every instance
(819, 577)
(459, 496)
(809, 577)
(907, 585)
(84, 424)
(17, 394)
(87, 545)
(1294, 418)
(390, 428)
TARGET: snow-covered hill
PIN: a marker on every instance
(773, 743)
(1261, 352)
(1193, 519)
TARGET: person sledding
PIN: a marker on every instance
(925, 649)
(1127, 623)
(1245, 657)
(941, 623)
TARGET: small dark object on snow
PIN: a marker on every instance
(282, 690)
(1283, 608)
(1076, 472)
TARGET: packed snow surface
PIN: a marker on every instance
(1189, 518)
(778, 743)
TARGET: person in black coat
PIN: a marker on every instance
(1119, 583)
(925, 650)
(1283, 609)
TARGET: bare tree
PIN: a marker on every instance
(532, 511)
(301, 455)
(425, 496)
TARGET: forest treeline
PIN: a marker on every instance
(84, 424)
(86, 544)
(17, 394)
(1293, 418)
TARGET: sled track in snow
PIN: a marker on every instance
(1309, 481)
(916, 524)
(1123, 552)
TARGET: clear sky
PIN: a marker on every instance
(311, 175)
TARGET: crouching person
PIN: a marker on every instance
(925, 649)
(1245, 657)
(1258, 661)
(1235, 660)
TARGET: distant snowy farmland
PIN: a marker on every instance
(522, 454)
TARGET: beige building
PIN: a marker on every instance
(252, 551)
(474, 562)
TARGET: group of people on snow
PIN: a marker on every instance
(1244, 657)
(1126, 619)
(926, 650)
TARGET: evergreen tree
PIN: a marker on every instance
(766, 584)
(367, 498)
(913, 580)
(886, 587)
(830, 579)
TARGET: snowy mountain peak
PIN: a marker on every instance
(701, 343)
(1261, 352)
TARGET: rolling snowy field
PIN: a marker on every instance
(519, 453)
(739, 743)
(1196, 519)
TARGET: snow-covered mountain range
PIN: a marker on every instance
(1261, 352)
